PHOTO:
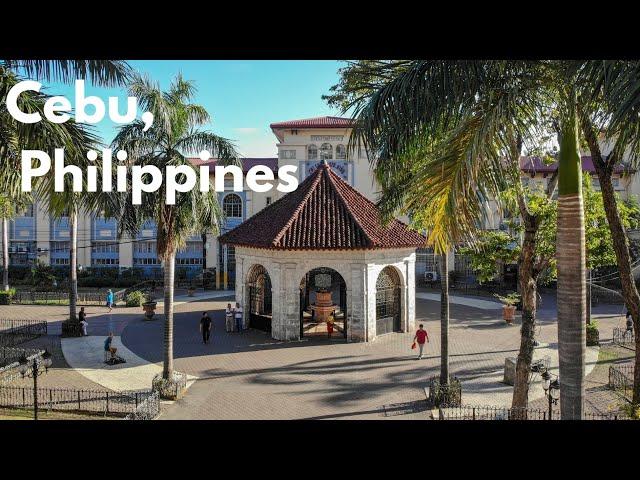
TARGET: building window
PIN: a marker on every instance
(326, 151)
(312, 152)
(232, 206)
(60, 247)
(105, 247)
(144, 247)
(104, 261)
(268, 201)
(287, 154)
(59, 261)
(341, 152)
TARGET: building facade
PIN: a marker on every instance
(306, 143)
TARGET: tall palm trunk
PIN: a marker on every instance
(169, 275)
(5, 254)
(528, 291)
(570, 255)
(630, 294)
(444, 318)
(73, 264)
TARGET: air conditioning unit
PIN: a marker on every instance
(430, 276)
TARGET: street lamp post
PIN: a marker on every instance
(550, 386)
(33, 371)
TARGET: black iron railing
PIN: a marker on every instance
(29, 297)
(482, 412)
(14, 332)
(148, 409)
(623, 337)
(621, 379)
(68, 399)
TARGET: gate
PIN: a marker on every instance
(388, 302)
(260, 300)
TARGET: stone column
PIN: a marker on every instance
(216, 250)
(411, 292)
(356, 311)
(225, 260)
(370, 301)
(277, 301)
(291, 303)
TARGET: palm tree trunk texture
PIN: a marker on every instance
(5, 254)
(528, 291)
(444, 318)
(169, 275)
(630, 293)
(73, 264)
(570, 255)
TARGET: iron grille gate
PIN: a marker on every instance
(260, 302)
(387, 302)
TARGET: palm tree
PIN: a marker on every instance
(444, 318)
(46, 136)
(471, 110)
(9, 207)
(174, 135)
(608, 105)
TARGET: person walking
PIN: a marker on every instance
(205, 327)
(421, 338)
(110, 299)
(228, 318)
(237, 313)
(108, 347)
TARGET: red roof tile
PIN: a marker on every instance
(536, 165)
(316, 122)
(323, 213)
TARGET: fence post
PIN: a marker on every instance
(50, 400)
(136, 400)
(24, 402)
(79, 408)
(474, 413)
(107, 402)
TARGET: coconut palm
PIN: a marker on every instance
(15, 136)
(609, 101)
(471, 111)
(175, 134)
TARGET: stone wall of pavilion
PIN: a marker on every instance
(358, 268)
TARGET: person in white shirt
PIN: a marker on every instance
(238, 314)
(228, 316)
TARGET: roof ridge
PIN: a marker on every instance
(357, 221)
(314, 183)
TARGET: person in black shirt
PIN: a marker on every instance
(205, 327)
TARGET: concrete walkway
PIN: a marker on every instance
(466, 301)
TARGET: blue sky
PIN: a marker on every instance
(243, 97)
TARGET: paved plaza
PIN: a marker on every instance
(251, 376)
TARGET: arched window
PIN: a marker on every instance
(232, 206)
(326, 151)
(312, 152)
(341, 152)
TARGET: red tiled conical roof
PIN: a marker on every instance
(324, 212)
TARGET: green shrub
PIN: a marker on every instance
(593, 334)
(135, 298)
(6, 296)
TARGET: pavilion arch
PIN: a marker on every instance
(389, 301)
(258, 299)
(323, 286)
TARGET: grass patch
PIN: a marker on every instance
(24, 414)
(607, 355)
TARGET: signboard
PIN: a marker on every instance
(327, 138)
(339, 167)
(322, 280)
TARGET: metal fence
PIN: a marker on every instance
(170, 390)
(69, 399)
(623, 337)
(14, 332)
(10, 362)
(148, 409)
(29, 297)
(470, 412)
(621, 379)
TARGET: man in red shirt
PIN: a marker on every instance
(421, 337)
